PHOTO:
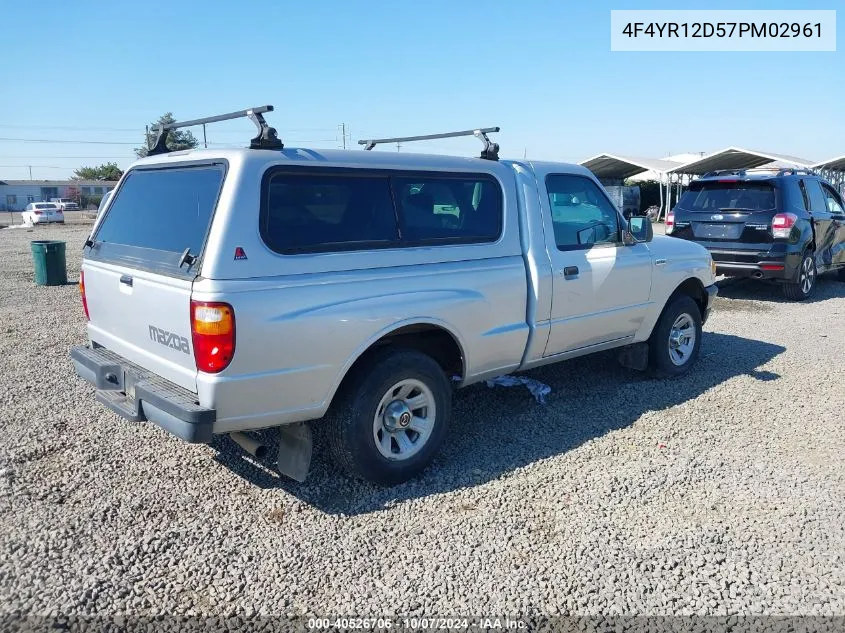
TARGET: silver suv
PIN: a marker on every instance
(234, 290)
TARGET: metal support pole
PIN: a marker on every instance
(204, 139)
(668, 193)
(660, 188)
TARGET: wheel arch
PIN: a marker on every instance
(430, 336)
(692, 287)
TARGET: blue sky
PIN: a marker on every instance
(540, 69)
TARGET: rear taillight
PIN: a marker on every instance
(670, 223)
(82, 294)
(213, 334)
(782, 224)
(39, 213)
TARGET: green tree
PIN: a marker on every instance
(106, 171)
(176, 139)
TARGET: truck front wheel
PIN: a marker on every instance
(391, 419)
(676, 339)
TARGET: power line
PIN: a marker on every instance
(79, 128)
(68, 127)
(28, 156)
(34, 167)
(46, 140)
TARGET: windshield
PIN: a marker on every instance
(45, 206)
(736, 195)
(163, 209)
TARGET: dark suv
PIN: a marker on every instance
(786, 225)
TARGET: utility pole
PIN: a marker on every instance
(343, 133)
(524, 153)
(30, 171)
(204, 139)
(147, 136)
(398, 146)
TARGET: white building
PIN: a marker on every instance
(16, 194)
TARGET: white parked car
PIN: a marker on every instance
(43, 213)
(65, 204)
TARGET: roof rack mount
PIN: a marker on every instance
(490, 151)
(265, 139)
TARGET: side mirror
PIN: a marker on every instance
(640, 227)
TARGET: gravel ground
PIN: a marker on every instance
(719, 493)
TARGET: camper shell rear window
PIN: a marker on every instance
(159, 217)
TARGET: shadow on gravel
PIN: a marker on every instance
(742, 289)
(495, 431)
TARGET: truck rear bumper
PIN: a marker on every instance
(138, 395)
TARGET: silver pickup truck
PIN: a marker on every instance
(233, 290)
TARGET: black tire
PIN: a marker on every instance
(804, 284)
(660, 354)
(352, 436)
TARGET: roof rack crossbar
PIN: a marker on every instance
(490, 151)
(265, 139)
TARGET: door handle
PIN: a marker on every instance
(126, 279)
(570, 271)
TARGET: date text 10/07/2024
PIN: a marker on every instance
(418, 624)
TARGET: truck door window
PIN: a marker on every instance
(582, 216)
(448, 208)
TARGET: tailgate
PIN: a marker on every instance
(140, 265)
(143, 317)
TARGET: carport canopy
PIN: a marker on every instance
(606, 166)
(737, 158)
(834, 164)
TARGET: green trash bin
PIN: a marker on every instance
(48, 256)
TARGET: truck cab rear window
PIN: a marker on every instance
(358, 210)
(163, 209)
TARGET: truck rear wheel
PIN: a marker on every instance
(676, 339)
(392, 418)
